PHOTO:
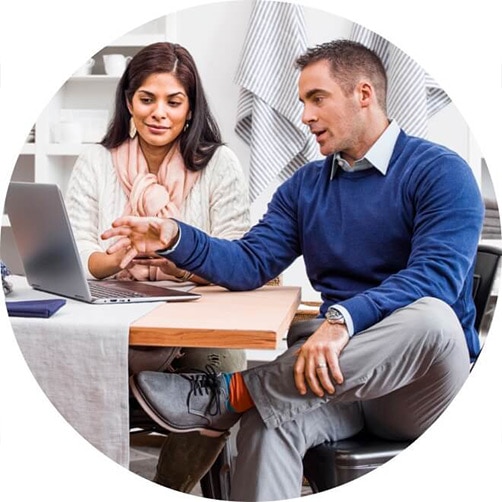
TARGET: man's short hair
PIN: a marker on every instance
(349, 62)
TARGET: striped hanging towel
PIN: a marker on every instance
(413, 96)
(268, 111)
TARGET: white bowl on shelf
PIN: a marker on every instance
(68, 132)
(93, 122)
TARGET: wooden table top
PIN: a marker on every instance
(255, 319)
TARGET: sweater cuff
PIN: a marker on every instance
(362, 312)
(168, 251)
(183, 247)
(347, 317)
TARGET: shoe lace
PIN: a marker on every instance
(206, 382)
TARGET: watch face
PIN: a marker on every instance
(334, 315)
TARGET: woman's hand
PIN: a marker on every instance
(166, 266)
(102, 265)
(317, 365)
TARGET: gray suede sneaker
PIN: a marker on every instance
(185, 402)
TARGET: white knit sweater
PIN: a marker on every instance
(218, 202)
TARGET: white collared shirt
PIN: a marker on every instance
(378, 156)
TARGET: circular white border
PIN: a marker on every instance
(41, 43)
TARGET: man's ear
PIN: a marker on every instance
(366, 93)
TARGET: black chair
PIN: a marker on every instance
(332, 464)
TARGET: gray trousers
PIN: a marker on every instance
(400, 375)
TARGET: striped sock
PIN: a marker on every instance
(239, 398)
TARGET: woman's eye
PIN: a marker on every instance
(174, 103)
(146, 101)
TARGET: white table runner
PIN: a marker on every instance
(79, 357)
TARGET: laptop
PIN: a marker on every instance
(49, 254)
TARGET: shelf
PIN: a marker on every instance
(94, 78)
(28, 149)
(60, 149)
(54, 149)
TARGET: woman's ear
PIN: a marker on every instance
(129, 107)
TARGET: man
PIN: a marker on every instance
(388, 225)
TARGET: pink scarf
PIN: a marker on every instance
(160, 194)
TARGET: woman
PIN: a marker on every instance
(162, 155)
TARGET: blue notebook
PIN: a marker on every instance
(34, 308)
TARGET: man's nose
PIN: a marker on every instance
(307, 115)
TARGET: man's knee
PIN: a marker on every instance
(431, 315)
(431, 324)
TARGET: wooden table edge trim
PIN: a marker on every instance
(186, 337)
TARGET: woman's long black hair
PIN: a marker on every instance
(200, 140)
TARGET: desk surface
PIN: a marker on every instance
(220, 318)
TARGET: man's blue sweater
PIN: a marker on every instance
(371, 242)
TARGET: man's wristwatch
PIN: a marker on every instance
(334, 316)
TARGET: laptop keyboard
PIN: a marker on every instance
(100, 291)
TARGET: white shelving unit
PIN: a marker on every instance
(46, 160)
(43, 160)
